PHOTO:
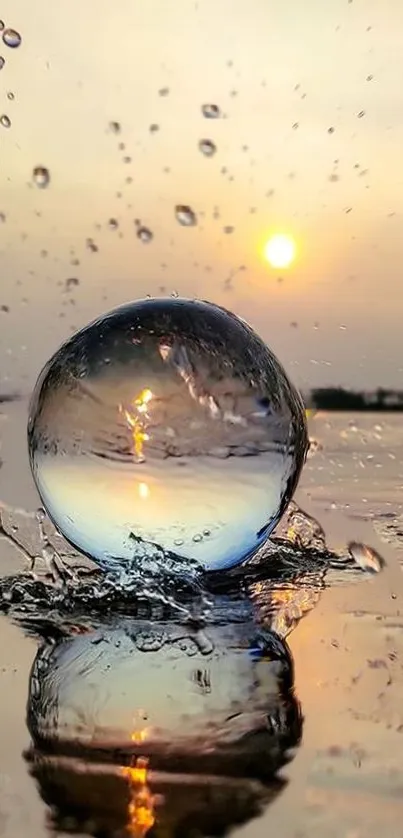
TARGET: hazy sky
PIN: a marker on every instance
(283, 72)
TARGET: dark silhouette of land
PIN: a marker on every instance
(337, 398)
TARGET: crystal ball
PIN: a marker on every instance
(166, 422)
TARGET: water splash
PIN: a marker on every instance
(282, 583)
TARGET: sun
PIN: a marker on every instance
(280, 250)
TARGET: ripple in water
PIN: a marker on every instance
(166, 431)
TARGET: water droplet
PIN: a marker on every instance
(361, 114)
(185, 215)
(71, 282)
(90, 245)
(40, 515)
(228, 229)
(41, 177)
(1, 25)
(113, 224)
(115, 127)
(10, 96)
(197, 538)
(5, 121)
(154, 127)
(367, 558)
(331, 130)
(207, 147)
(211, 111)
(2, 62)
(163, 91)
(172, 364)
(144, 234)
(11, 38)
(295, 126)
(3, 217)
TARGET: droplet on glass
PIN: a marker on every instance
(163, 91)
(2, 62)
(41, 177)
(144, 234)
(10, 96)
(331, 130)
(11, 38)
(207, 147)
(185, 215)
(154, 367)
(154, 127)
(1, 25)
(361, 114)
(228, 229)
(115, 127)
(211, 111)
(295, 126)
(5, 121)
(113, 224)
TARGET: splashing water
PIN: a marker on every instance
(166, 422)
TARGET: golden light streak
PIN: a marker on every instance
(137, 419)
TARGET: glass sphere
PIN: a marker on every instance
(169, 423)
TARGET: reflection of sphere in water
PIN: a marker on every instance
(166, 422)
(162, 726)
(216, 701)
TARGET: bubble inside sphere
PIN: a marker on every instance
(166, 421)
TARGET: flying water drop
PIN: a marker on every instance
(11, 38)
(210, 111)
(207, 147)
(144, 234)
(185, 215)
(125, 422)
(41, 177)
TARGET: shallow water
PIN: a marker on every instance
(345, 778)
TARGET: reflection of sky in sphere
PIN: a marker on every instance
(169, 422)
(211, 512)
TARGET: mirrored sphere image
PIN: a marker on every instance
(166, 423)
(161, 727)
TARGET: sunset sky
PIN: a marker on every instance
(309, 143)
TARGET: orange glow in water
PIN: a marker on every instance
(141, 815)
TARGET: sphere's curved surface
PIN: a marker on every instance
(168, 422)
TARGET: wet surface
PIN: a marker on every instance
(333, 678)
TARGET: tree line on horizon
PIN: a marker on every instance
(339, 398)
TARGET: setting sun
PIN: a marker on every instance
(279, 251)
